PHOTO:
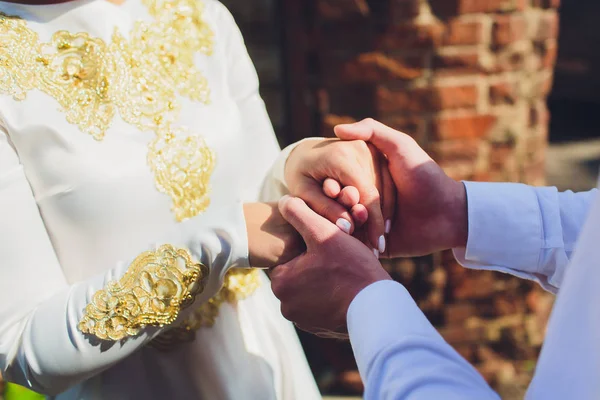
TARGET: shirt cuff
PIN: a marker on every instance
(379, 316)
(506, 230)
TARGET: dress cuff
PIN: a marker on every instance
(379, 316)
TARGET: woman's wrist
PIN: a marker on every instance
(271, 240)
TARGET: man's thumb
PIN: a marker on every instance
(309, 224)
(385, 139)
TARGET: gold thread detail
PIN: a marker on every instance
(238, 285)
(139, 78)
(156, 287)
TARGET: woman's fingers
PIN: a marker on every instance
(332, 188)
(313, 194)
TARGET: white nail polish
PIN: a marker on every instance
(388, 226)
(344, 225)
(376, 252)
(381, 244)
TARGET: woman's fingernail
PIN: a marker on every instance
(344, 225)
(388, 226)
(381, 244)
(376, 252)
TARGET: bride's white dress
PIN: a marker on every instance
(112, 120)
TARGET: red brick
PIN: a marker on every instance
(475, 287)
(456, 64)
(373, 67)
(500, 154)
(463, 127)
(548, 26)
(508, 29)
(458, 7)
(546, 3)
(538, 115)
(454, 313)
(458, 334)
(503, 93)
(461, 33)
(466, 351)
(411, 36)
(463, 171)
(455, 151)
(549, 54)
(510, 60)
(412, 126)
(426, 99)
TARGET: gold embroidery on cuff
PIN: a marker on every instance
(156, 287)
(239, 284)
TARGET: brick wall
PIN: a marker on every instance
(469, 80)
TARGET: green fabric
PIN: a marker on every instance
(16, 392)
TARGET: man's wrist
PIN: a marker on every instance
(458, 216)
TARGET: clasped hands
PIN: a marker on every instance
(371, 193)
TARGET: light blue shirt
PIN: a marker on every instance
(528, 232)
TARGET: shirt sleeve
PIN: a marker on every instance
(399, 353)
(526, 231)
(42, 316)
(569, 364)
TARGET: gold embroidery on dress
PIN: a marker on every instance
(138, 78)
(239, 284)
(156, 287)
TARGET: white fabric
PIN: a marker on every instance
(74, 212)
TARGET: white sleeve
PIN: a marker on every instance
(41, 344)
(260, 142)
(526, 231)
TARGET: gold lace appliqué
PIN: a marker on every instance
(139, 78)
(238, 285)
(156, 286)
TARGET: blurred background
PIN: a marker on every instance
(495, 90)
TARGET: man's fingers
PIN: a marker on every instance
(371, 197)
(360, 214)
(310, 225)
(388, 195)
(332, 188)
(398, 146)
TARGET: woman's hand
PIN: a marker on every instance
(271, 240)
(341, 180)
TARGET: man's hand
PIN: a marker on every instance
(361, 172)
(317, 287)
(271, 240)
(431, 208)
